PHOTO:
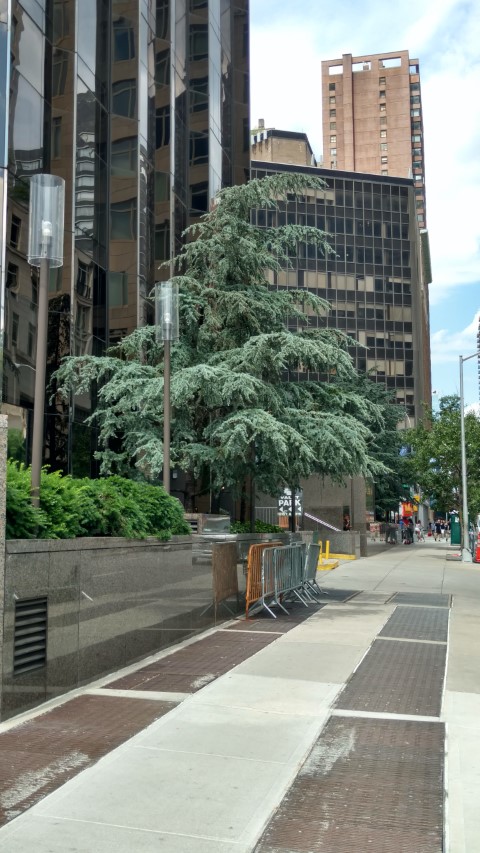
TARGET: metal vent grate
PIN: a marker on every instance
(30, 636)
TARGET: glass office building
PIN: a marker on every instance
(142, 106)
(376, 278)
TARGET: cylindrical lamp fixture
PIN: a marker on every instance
(166, 311)
(45, 231)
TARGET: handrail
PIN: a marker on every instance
(319, 521)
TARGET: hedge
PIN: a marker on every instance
(69, 508)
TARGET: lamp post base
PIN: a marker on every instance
(466, 556)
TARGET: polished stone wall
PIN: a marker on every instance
(110, 603)
(3, 494)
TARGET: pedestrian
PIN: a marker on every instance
(443, 529)
(438, 529)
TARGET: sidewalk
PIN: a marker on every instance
(248, 739)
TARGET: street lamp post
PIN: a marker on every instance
(45, 250)
(166, 321)
(466, 551)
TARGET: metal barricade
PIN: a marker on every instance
(310, 584)
(258, 585)
(289, 569)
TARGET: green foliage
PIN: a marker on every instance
(260, 527)
(23, 521)
(238, 405)
(111, 506)
(16, 445)
(435, 460)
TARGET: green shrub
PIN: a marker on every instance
(111, 506)
(260, 527)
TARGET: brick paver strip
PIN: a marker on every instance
(191, 668)
(397, 677)
(367, 785)
(40, 755)
(418, 623)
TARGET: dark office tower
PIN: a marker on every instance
(376, 279)
(372, 118)
(142, 106)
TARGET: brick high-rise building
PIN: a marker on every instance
(372, 118)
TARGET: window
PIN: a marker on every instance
(332, 99)
(82, 279)
(383, 146)
(117, 289)
(162, 186)
(199, 94)
(162, 126)
(124, 157)
(15, 229)
(333, 152)
(56, 136)
(384, 159)
(415, 99)
(414, 87)
(162, 67)
(123, 220)
(123, 41)
(15, 322)
(415, 113)
(162, 241)
(333, 140)
(381, 81)
(198, 42)
(34, 277)
(416, 138)
(124, 98)
(31, 340)
(383, 107)
(331, 87)
(12, 277)
(333, 125)
(416, 125)
(384, 172)
(383, 120)
(198, 148)
(333, 113)
(383, 134)
(382, 93)
(59, 71)
(162, 18)
(199, 197)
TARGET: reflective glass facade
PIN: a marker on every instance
(373, 278)
(142, 107)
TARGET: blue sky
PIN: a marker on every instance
(288, 44)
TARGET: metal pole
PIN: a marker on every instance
(466, 552)
(166, 414)
(40, 366)
(292, 511)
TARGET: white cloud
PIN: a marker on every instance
(447, 347)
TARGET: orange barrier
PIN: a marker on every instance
(477, 550)
(255, 588)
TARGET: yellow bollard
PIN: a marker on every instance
(327, 550)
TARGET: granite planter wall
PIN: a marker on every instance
(110, 602)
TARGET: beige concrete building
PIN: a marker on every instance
(281, 146)
(372, 118)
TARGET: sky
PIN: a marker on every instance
(288, 42)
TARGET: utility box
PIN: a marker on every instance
(455, 534)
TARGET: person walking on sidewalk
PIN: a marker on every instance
(438, 529)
